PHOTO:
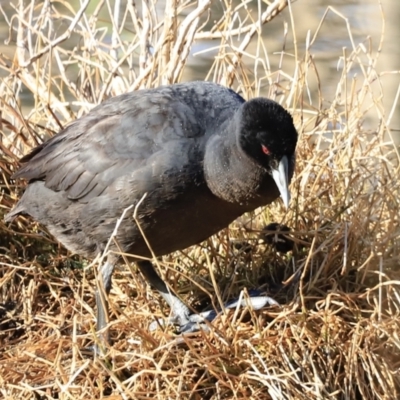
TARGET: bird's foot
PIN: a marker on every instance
(188, 323)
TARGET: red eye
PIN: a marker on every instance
(265, 150)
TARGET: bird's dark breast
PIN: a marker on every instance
(169, 225)
(186, 220)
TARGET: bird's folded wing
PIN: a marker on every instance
(142, 132)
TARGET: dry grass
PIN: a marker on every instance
(337, 333)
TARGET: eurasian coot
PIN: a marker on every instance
(199, 153)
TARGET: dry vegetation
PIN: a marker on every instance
(337, 333)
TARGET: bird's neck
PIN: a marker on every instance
(230, 173)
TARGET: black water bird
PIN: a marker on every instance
(197, 156)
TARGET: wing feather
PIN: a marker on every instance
(113, 141)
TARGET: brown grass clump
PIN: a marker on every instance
(337, 332)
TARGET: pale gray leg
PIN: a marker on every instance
(102, 291)
(182, 316)
(180, 311)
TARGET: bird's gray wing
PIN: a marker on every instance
(139, 137)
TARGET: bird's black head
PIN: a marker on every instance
(266, 132)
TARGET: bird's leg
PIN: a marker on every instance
(103, 289)
(179, 309)
(182, 316)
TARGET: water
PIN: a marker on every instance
(363, 18)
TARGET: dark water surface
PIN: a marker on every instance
(363, 17)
